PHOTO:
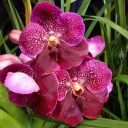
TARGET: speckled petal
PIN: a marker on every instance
(24, 100)
(72, 56)
(89, 105)
(96, 45)
(8, 59)
(32, 40)
(64, 83)
(102, 96)
(20, 83)
(45, 14)
(45, 62)
(16, 68)
(70, 28)
(14, 36)
(48, 92)
(68, 111)
(95, 75)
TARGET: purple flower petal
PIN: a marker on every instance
(102, 96)
(32, 40)
(89, 105)
(48, 92)
(96, 45)
(72, 56)
(8, 59)
(71, 28)
(20, 83)
(64, 83)
(95, 75)
(45, 63)
(25, 59)
(24, 100)
(16, 68)
(109, 87)
(67, 111)
(0, 77)
(45, 14)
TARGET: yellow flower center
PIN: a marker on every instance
(52, 41)
(77, 86)
(77, 89)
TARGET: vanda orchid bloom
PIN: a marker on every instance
(63, 81)
(55, 36)
(18, 78)
(71, 94)
(61, 95)
(82, 91)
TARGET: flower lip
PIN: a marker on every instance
(20, 83)
(52, 41)
(77, 89)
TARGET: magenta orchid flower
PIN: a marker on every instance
(18, 78)
(71, 94)
(82, 91)
(56, 37)
(25, 91)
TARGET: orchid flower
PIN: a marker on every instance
(18, 78)
(55, 36)
(82, 91)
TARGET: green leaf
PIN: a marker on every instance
(28, 9)
(121, 101)
(73, 1)
(100, 13)
(84, 6)
(13, 51)
(120, 8)
(7, 121)
(18, 113)
(68, 3)
(52, 1)
(63, 126)
(113, 25)
(122, 78)
(40, 0)
(10, 9)
(38, 123)
(103, 123)
(20, 22)
(108, 49)
(111, 114)
(50, 125)
(62, 5)
(38, 117)
(2, 42)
